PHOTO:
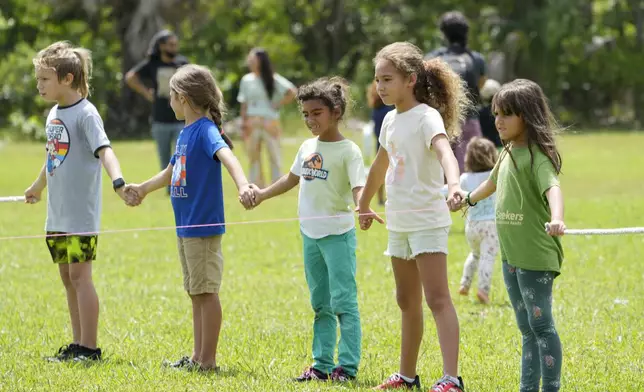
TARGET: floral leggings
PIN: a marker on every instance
(531, 295)
(484, 243)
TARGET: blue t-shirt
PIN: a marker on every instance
(196, 189)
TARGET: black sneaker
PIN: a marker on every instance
(183, 362)
(65, 353)
(312, 374)
(87, 354)
(340, 375)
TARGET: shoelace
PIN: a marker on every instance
(443, 382)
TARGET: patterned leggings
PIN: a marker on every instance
(484, 243)
(531, 295)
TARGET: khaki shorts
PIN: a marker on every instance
(202, 263)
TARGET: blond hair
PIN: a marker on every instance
(437, 85)
(480, 155)
(197, 84)
(63, 58)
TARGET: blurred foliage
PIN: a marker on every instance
(587, 55)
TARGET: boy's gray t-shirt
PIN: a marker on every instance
(75, 134)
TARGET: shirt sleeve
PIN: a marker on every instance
(94, 132)
(144, 69)
(355, 168)
(480, 63)
(546, 176)
(296, 168)
(382, 138)
(494, 175)
(211, 141)
(241, 95)
(432, 125)
(282, 84)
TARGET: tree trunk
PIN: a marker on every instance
(637, 7)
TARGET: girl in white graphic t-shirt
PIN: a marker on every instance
(415, 154)
(330, 172)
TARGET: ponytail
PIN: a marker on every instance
(443, 89)
(85, 74)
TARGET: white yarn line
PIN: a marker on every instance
(8, 199)
(619, 231)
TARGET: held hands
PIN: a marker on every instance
(132, 194)
(456, 198)
(366, 217)
(250, 196)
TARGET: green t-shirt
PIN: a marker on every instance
(522, 210)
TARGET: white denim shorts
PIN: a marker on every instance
(408, 245)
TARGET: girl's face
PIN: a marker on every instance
(318, 117)
(392, 86)
(510, 127)
(178, 102)
(252, 62)
(49, 87)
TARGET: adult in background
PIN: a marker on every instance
(150, 78)
(486, 117)
(262, 93)
(378, 112)
(470, 66)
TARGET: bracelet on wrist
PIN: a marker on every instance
(469, 201)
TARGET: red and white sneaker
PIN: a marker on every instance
(446, 384)
(396, 382)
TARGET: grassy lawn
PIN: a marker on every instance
(145, 315)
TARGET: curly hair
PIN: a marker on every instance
(437, 85)
(333, 91)
(480, 155)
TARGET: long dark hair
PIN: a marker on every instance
(154, 52)
(436, 84)
(265, 71)
(526, 99)
(198, 85)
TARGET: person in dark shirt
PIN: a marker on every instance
(150, 78)
(378, 112)
(486, 116)
(470, 65)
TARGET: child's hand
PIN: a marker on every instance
(132, 194)
(366, 217)
(33, 195)
(247, 196)
(556, 228)
(456, 198)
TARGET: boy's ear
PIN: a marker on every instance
(68, 79)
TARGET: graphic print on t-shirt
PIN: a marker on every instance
(509, 217)
(396, 169)
(179, 181)
(57, 144)
(164, 74)
(312, 168)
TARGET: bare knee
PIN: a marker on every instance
(408, 301)
(64, 276)
(80, 276)
(438, 302)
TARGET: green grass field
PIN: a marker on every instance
(145, 315)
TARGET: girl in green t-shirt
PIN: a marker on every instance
(527, 197)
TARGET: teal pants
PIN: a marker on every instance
(531, 295)
(330, 266)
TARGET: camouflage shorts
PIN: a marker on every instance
(66, 249)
